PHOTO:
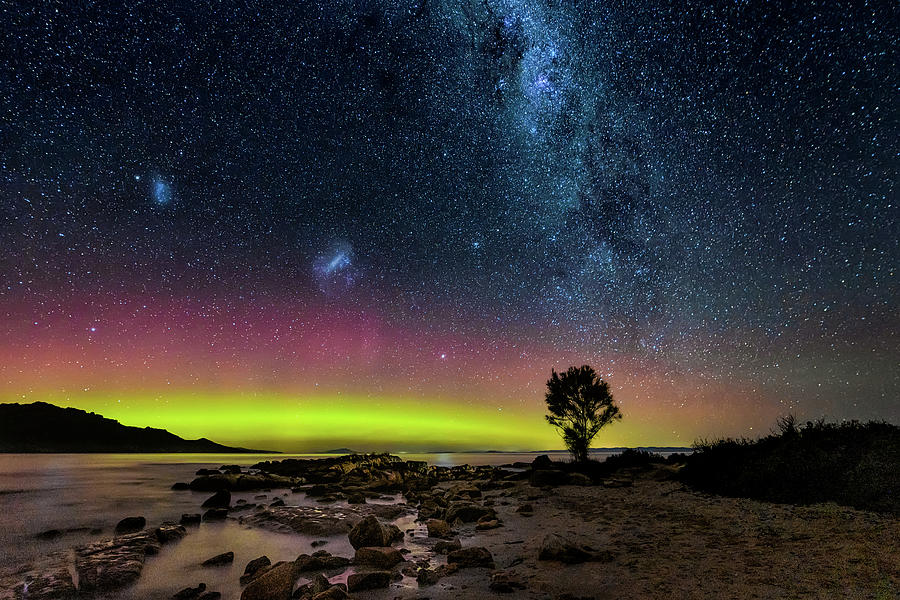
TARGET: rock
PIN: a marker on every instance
(426, 577)
(383, 557)
(204, 472)
(444, 547)
(190, 519)
(318, 543)
(180, 486)
(335, 592)
(556, 547)
(318, 584)
(109, 565)
(215, 514)
(226, 558)
(371, 532)
(247, 578)
(471, 557)
(277, 502)
(505, 582)
(468, 512)
(239, 482)
(463, 490)
(525, 508)
(190, 593)
(485, 524)
(358, 498)
(430, 509)
(50, 534)
(210, 596)
(547, 477)
(542, 462)
(169, 532)
(46, 585)
(221, 499)
(276, 583)
(578, 479)
(319, 561)
(322, 490)
(130, 525)
(368, 581)
(256, 564)
(444, 570)
(438, 528)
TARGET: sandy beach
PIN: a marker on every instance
(669, 542)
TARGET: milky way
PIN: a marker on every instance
(437, 202)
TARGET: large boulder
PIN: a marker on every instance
(371, 532)
(426, 577)
(277, 583)
(468, 512)
(319, 561)
(256, 564)
(189, 593)
(382, 557)
(471, 557)
(446, 547)
(130, 525)
(548, 477)
(215, 514)
(190, 519)
(221, 499)
(110, 565)
(438, 528)
(358, 582)
(169, 532)
(463, 490)
(542, 462)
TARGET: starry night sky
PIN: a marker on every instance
(363, 222)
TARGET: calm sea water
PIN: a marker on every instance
(85, 495)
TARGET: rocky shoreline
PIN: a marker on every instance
(539, 530)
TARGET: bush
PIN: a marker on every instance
(854, 464)
(632, 457)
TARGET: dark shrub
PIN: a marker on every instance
(855, 464)
(632, 457)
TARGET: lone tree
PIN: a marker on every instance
(580, 405)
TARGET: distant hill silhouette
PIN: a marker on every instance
(42, 427)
